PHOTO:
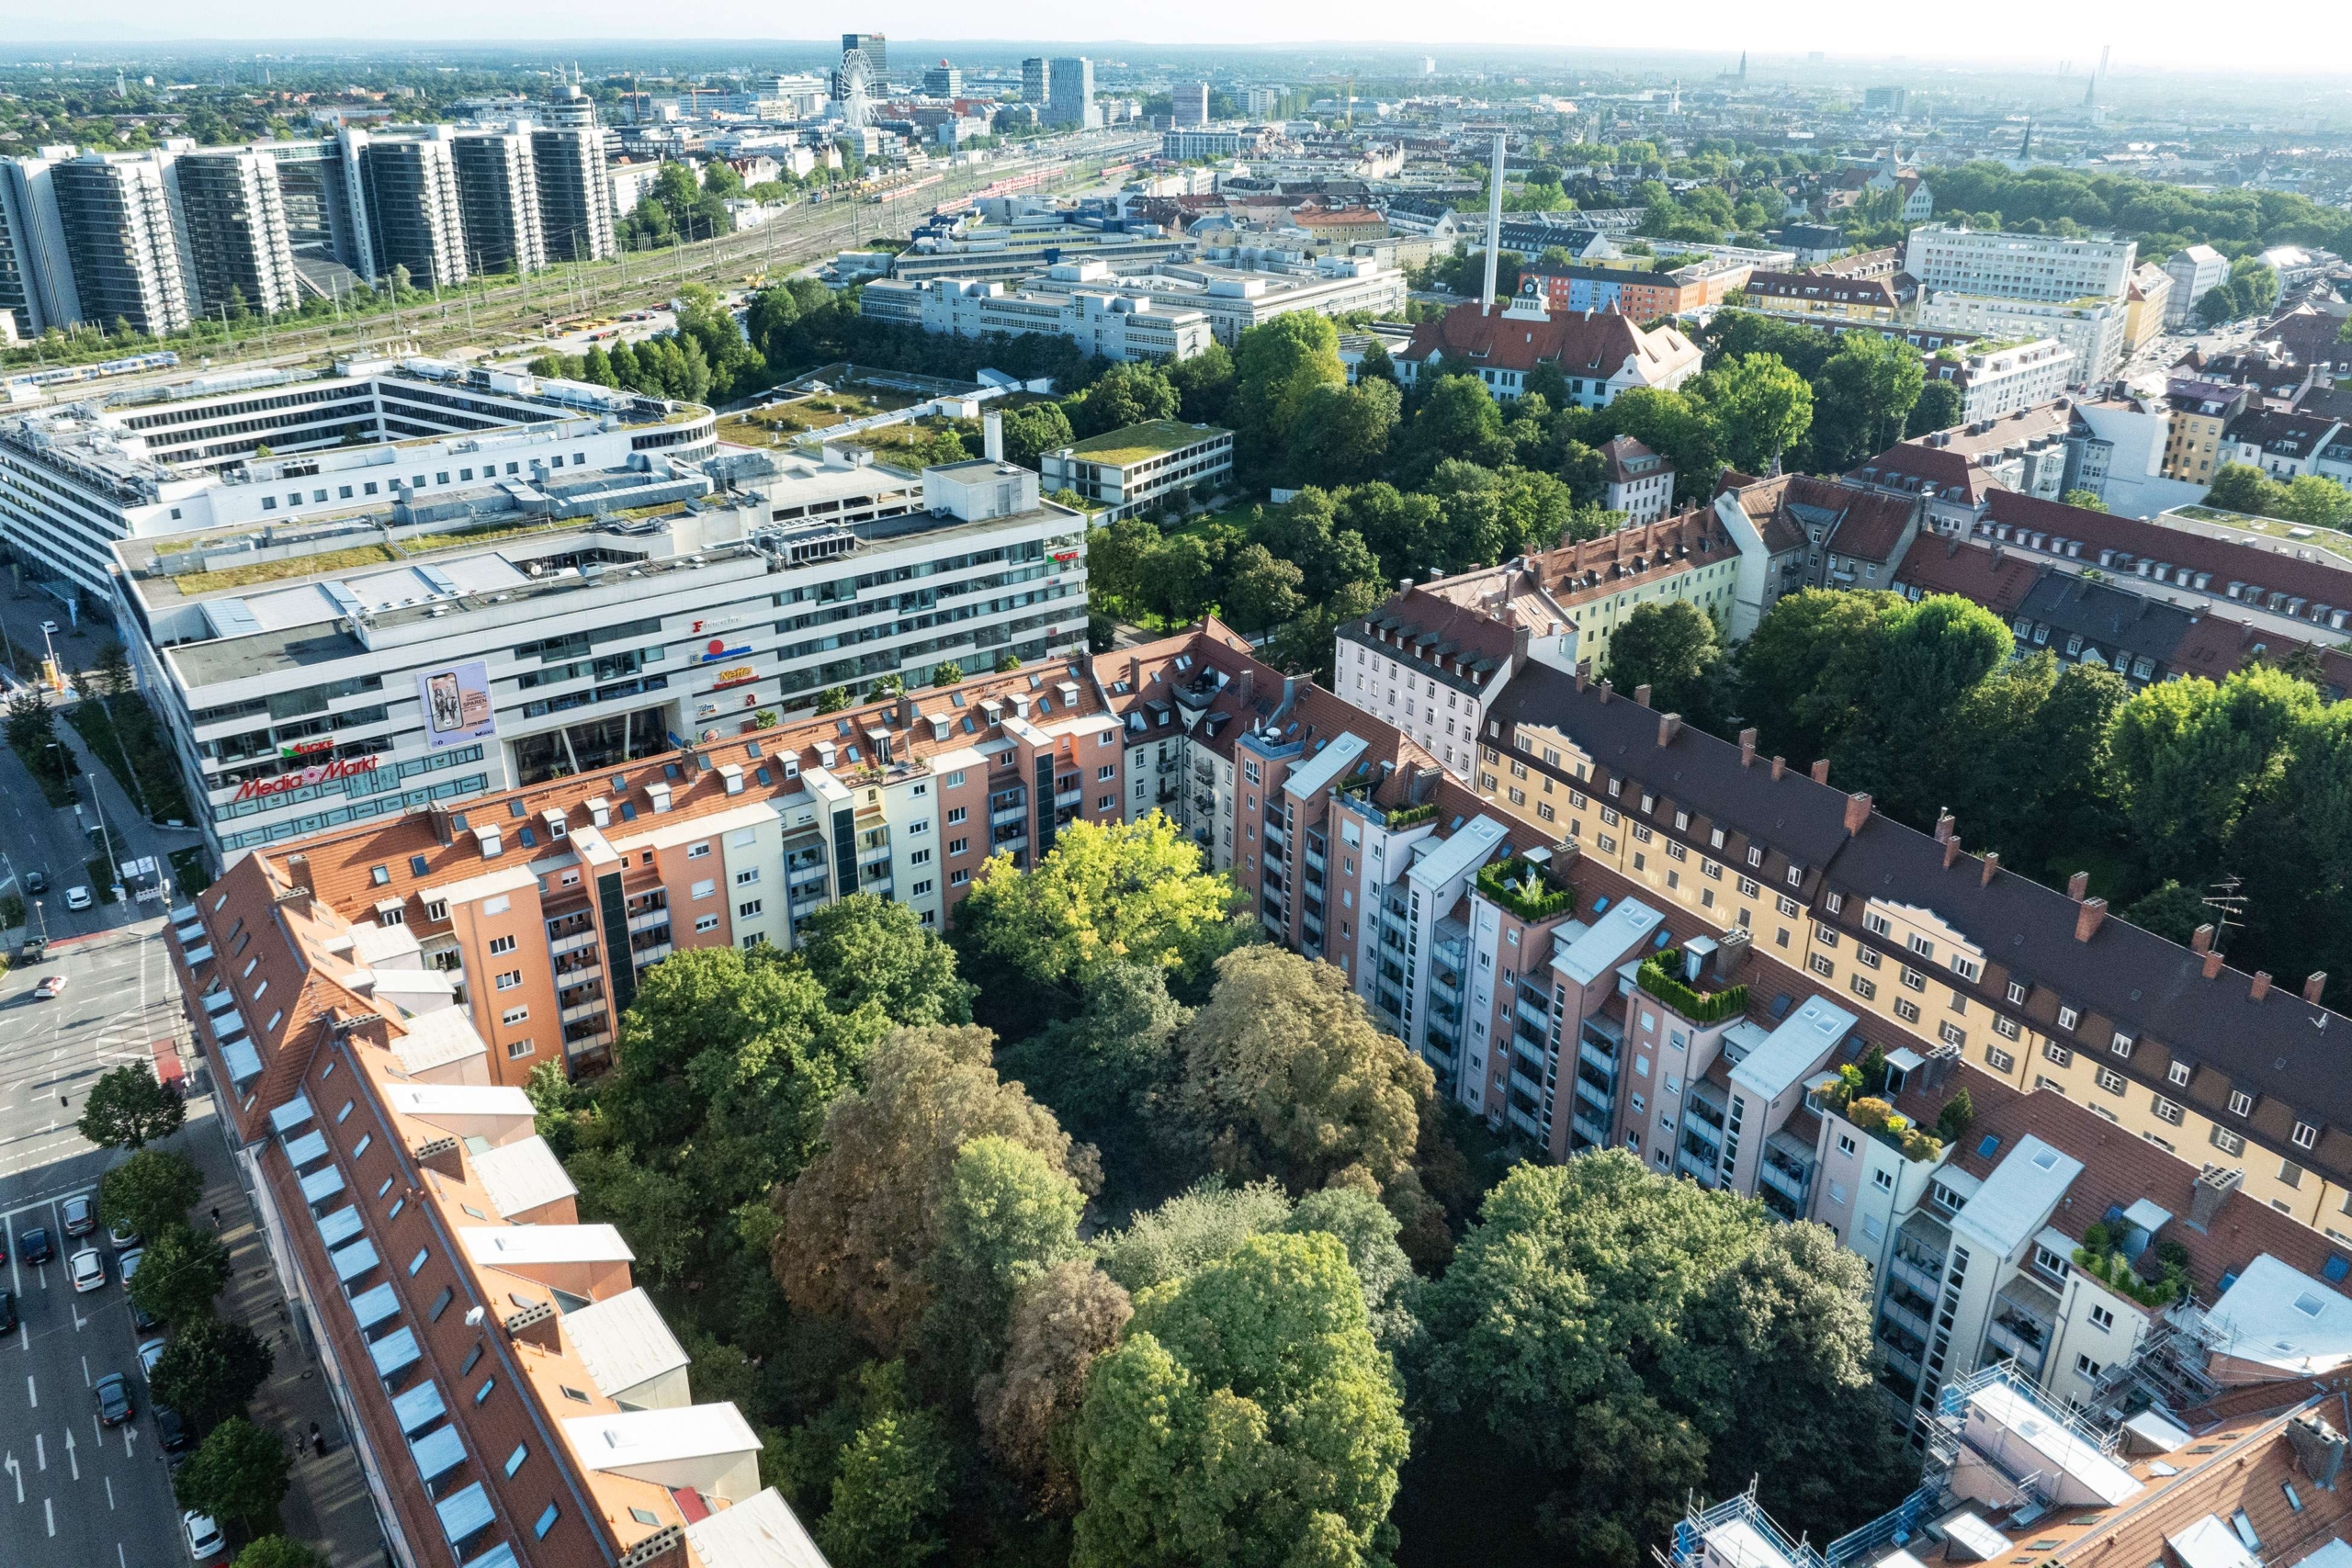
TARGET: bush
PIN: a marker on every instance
(1658, 978)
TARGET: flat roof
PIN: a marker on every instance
(621, 1439)
(1153, 438)
(1625, 926)
(2061, 1447)
(427, 1101)
(1460, 851)
(623, 1339)
(523, 1176)
(2017, 1199)
(510, 1247)
(759, 1532)
(2277, 1315)
(1315, 775)
(437, 1038)
(1791, 1052)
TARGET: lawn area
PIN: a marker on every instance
(55, 790)
(2302, 536)
(271, 571)
(122, 733)
(911, 443)
(778, 424)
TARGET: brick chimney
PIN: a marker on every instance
(1951, 850)
(1747, 748)
(1858, 810)
(1780, 766)
(1821, 771)
(2212, 964)
(2088, 916)
(2313, 984)
(1584, 673)
(2201, 938)
(1944, 825)
(2078, 885)
(535, 1324)
(1246, 683)
(1992, 868)
(441, 1155)
(1669, 725)
(1642, 693)
(1607, 691)
(2261, 985)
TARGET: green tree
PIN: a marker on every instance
(865, 950)
(238, 1474)
(1120, 559)
(210, 1368)
(278, 1551)
(1247, 1418)
(1034, 430)
(2316, 501)
(862, 1223)
(1104, 893)
(2241, 487)
(1342, 433)
(183, 1271)
(1672, 423)
(1863, 398)
(891, 1498)
(1106, 1071)
(2088, 500)
(2172, 911)
(29, 723)
(948, 673)
(1208, 1221)
(1286, 1075)
(1260, 592)
(129, 1109)
(1939, 407)
(1204, 383)
(1761, 407)
(1183, 577)
(1670, 648)
(832, 699)
(114, 670)
(1007, 1215)
(151, 1191)
(1276, 365)
(1066, 1320)
(1124, 395)
(1458, 419)
(1636, 1339)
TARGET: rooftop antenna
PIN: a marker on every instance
(2226, 899)
(1493, 226)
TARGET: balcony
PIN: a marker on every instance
(647, 922)
(1591, 1131)
(1534, 1019)
(1696, 1163)
(1203, 801)
(593, 1009)
(1069, 799)
(573, 943)
(1275, 836)
(1926, 1282)
(2005, 1339)
(1595, 1096)
(1315, 863)
(1008, 815)
(1526, 1085)
(1705, 1110)
(1600, 1060)
(1905, 1318)
(1526, 1123)
(1772, 1175)
(652, 955)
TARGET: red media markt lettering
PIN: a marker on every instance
(324, 773)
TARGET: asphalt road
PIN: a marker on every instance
(74, 1493)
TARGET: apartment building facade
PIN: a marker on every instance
(1133, 470)
(1637, 481)
(239, 248)
(2093, 329)
(510, 1395)
(2044, 267)
(113, 215)
(1999, 381)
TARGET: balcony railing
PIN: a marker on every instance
(573, 943)
(1928, 1283)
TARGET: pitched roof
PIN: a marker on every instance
(1621, 451)
(1994, 577)
(2226, 560)
(1582, 343)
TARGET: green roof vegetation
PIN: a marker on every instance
(1152, 438)
(1659, 975)
(1527, 890)
(251, 573)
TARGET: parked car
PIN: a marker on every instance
(127, 1265)
(123, 1237)
(81, 1216)
(204, 1540)
(171, 1429)
(33, 1246)
(89, 1267)
(7, 1313)
(78, 898)
(112, 1396)
(149, 1352)
(51, 987)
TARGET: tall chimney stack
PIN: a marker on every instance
(2261, 986)
(1858, 812)
(2201, 938)
(1493, 226)
(1821, 771)
(992, 436)
(2078, 885)
(1780, 766)
(2313, 984)
(1992, 869)
(2087, 917)
(1747, 748)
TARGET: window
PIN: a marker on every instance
(1870, 956)
(2178, 1074)
(2122, 1045)
(2016, 993)
(1821, 966)
(748, 875)
(472, 1356)
(749, 909)
(518, 1049)
(1920, 946)
(2006, 1027)
(1788, 907)
(1907, 1010)
(2305, 1134)
(1882, 1179)
(1878, 924)
(418, 1261)
(2294, 1498)
(2110, 1080)
(702, 889)
(1913, 980)
(2000, 1061)
(2057, 1055)
(1951, 1034)
(2241, 1103)
(955, 814)
(2229, 1143)
(706, 922)
(510, 980)
(2068, 1018)
(483, 1391)
(501, 944)
(547, 1522)
(515, 1015)
(1747, 888)
(2165, 1109)
(1861, 988)
(1845, 1145)
(2088, 1367)
(958, 846)
(2291, 1173)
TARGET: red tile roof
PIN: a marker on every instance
(2226, 560)
(1995, 578)
(1580, 343)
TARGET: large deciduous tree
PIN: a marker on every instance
(1670, 648)
(237, 1474)
(153, 1188)
(1276, 367)
(210, 1368)
(1761, 407)
(1066, 1320)
(1247, 1418)
(183, 1271)
(1342, 433)
(128, 1109)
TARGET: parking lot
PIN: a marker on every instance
(75, 1492)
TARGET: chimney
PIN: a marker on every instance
(2313, 984)
(1642, 693)
(1780, 766)
(1493, 226)
(2261, 985)
(2213, 1190)
(1747, 748)
(1731, 954)
(2088, 916)
(1944, 825)
(2201, 940)
(441, 1155)
(1246, 683)
(1669, 726)
(2212, 964)
(1951, 850)
(1584, 673)
(1607, 691)
(992, 436)
(907, 713)
(1858, 811)
(1991, 867)
(535, 1324)
(2078, 885)
(1821, 771)
(1404, 585)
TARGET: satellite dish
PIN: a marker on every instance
(473, 1318)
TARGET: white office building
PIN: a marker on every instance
(2194, 269)
(1115, 325)
(76, 479)
(1240, 289)
(2003, 380)
(513, 632)
(2093, 331)
(2017, 267)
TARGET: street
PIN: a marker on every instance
(71, 1491)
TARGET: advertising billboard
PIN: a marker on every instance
(457, 703)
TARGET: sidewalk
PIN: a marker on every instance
(327, 1505)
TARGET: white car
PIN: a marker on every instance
(204, 1540)
(149, 1352)
(78, 898)
(89, 1270)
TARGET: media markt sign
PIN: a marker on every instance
(303, 778)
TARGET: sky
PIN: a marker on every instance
(2299, 36)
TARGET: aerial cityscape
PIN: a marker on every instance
(1511, 790)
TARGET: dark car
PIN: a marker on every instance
(7, 1313)
(36, 882)
(34, 1247)
(112, 1396)
(170, 1430)
(81, 1216)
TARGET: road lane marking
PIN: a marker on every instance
(16, 1470)
(50, 1515)
(33, 1395)
(71, 1457)
(109, 1493)
(40, 1449)
(85, 1373)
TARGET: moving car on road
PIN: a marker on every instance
(78, 898)
(51, 987)
(112, 1396)
(89, 1267)
(35, 883)
(81, 1216)
(33, 1246)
